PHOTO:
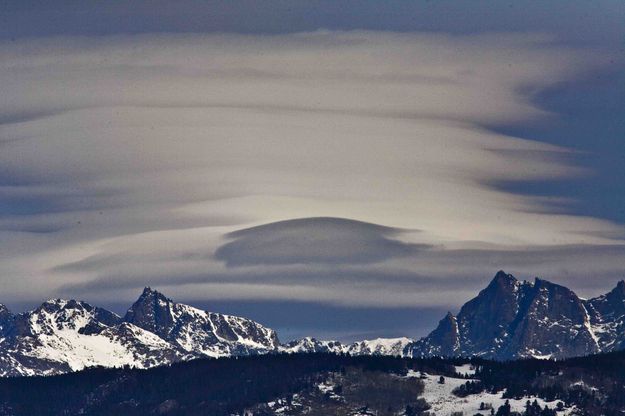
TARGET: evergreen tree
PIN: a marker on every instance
(504, 410)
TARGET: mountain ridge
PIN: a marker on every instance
(508, 319)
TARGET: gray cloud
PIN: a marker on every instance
(314, 240)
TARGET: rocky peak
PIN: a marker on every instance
(443, 341)
(60, 314)
(502, 284)
(552, 322)
(538, 282)
(152, 311)
(5, 319)
(618, 292)
(150, 295)
(503, 280)
(607, 313)
(484, 320)
(192, 329)
(608, 316)
(616, 299)
(557, 293)
(52, 305)
(4, 312)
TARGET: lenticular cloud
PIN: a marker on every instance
(123, 150)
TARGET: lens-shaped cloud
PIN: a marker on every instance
(129, 160)
(314, 240)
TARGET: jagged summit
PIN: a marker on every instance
(538, 281)
(148, 291)
(5, 319)
(502, 276)
(151, 295)
(620, 288)
(503, 282)
(152, 312)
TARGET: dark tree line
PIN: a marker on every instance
(199, 387)
(227, 386)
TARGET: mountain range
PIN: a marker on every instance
(509, 319)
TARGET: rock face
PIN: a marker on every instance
(607, 318)
(512, 319)
(68, 335)
(443, 341)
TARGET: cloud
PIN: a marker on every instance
(127, 160)
(313, 240)
(434, 276)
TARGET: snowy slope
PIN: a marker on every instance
(439, 396)
(444, 402)
(63, 335)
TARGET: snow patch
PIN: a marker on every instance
(444, 402)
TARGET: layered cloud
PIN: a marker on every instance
(157, 159)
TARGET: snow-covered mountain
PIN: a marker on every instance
(379, 346)
(508, 319)
(61, 336)
(199, 332)
(513, 319)
(68, 335)
(309, 344)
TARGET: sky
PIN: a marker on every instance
(337, 169)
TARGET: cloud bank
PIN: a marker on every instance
(135, 160)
